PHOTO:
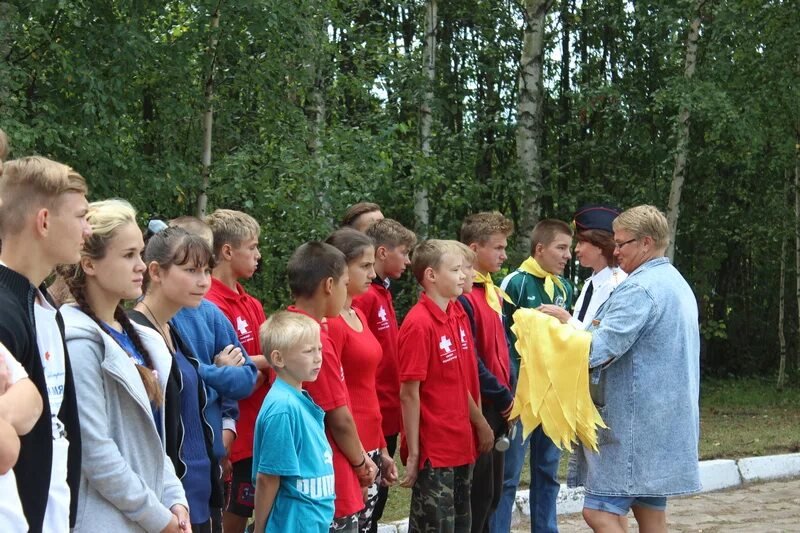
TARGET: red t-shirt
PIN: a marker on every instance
(490, 336)
(246, 314)
(360, 354)
(329, 391)
(376, 304)
(429, 352)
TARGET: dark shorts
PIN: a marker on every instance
(241, 493)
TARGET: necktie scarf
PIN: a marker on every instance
(551, 281)
(493, 293)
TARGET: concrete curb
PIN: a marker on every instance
(715, 475)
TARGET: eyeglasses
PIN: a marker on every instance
(619, 245)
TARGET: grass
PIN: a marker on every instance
(738, 418)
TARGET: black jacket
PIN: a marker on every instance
(18, 334)
(173, 427)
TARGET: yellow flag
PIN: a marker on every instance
(553, 384)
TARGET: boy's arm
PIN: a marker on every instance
(21, 406)
(343, 429)
(9, 447)
(266, 490)
(485, 433)
(409, 401)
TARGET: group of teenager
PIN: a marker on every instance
(144, 389)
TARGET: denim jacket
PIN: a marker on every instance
(645, 361)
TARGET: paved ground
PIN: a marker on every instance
(756, 508)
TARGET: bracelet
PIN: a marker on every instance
(362, 463)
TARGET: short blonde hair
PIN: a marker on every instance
(645, 221)
(429, 254)
(32, 183)
(231, 227)
(391, 234)
(467, 252)
(194, 225)
(285, 330)
(480, 227)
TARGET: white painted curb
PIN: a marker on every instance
(769, 467)
(719, 474)
(715, 475)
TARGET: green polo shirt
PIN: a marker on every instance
(527, 290)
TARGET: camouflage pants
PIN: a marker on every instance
(365, 517)
(345, 524)
(440, 500)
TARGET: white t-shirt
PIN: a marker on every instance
(12, 519)
(51, 350)
(604, 283)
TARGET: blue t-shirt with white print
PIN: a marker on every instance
(290, 442)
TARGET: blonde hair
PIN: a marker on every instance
(31, 183)
(480, 227)
(429, 254)
(391, 234)
(231, 227)
(468, 253)
(284, 330)
(106, 218)
(194, 225)
(645, 221)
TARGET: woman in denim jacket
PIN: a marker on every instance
(645, 362)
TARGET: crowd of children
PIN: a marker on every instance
(193, 411)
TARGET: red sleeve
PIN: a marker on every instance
(413, 352)
(365, 302)
(329, 390)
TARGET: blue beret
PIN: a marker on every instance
(596, 216)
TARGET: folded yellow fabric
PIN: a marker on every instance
(553, 384)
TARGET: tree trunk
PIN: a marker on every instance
(208, 117)
(421, 207)
(682, 149)
(781, 311)
(797, 240)
(529, 117)
(564, 96)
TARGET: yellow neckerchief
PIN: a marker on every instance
(531, 266)
(492, 292)
(553, 385)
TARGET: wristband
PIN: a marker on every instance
(362, 463)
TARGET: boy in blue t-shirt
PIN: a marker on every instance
(292, 460)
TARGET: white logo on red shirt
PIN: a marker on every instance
(446, 345)
(463, 339)
(384, 323)
(242, 325)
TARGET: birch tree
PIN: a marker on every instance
(421, 207)
(208, 115)
(682, 149)
(529, 116)
(797, 238)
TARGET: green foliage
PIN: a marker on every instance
(116, 89)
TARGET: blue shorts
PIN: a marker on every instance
(620, 505)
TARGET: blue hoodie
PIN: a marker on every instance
(207, 331)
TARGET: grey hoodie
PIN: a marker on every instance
(127, 481)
